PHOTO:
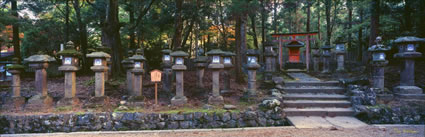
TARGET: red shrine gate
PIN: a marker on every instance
(293, 46)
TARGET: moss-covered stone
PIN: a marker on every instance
(215, 52)
(98, 55)
(15, 67)
(70, 52)
(179, 54)
(39, 58)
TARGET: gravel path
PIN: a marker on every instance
(370, 131)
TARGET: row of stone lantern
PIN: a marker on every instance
(326, 54)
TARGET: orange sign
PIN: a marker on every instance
(155, 75)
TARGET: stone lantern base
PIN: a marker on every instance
(39, 101)
(178, 101)
(14, 103)
(409, 92)
(99, 101)
(216, 100)
(74, 101)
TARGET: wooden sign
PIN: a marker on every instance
(155, 75)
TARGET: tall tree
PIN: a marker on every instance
(15, 28)
(66, 21)
(328, 21)
(82, 33)
(178, 24)
(350, 20)
(112, 36)
(374, 21)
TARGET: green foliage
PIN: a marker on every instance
(89, 82)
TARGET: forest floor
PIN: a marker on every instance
(116, 90)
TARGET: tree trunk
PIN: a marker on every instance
(328, 21)
(178, 24)
(240, 37)
(406, 14)
(112, 37)
(360, 37)
(131, 33)
(66, 20)
(350, 20)
(189, 30)
(374, 22)
(15, 28)
(308, 21)
(83, 35)
(254, 32)
(275, 16)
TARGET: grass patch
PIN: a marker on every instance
(185, 110)
(89, 82)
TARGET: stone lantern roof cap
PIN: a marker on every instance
(409, 39)
(104, 49)
(137, 58)
(295, 43)
(166, 51)
(215, 52)
(378, 46)
(179, 54)
(39, 59)
(127, 61)
(228, 54)
(98, 55)
(252, 52)
(268, 44)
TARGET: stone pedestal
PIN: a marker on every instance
(251, 91)
(179, 99)
(41, 87)
(216, 98)
(128, 65)
(100, 98)
(17, 101)
(325, 64)
(226, 78)
(316, 61)
(378, 74)
(200, 69)
(340, 61)
(166, 80)
(269, 68)
(138, 82)
(69, 86)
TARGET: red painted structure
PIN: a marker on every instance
(294, 53)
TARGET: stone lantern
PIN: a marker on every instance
(179, 68)
(340, 52)
(128, 64)
(99, 67)
(17, 101)
(269, 55)
(200, 64)
(316, 58)
(107, 50)
(167, 62)
(69, 65)
(276, 59)
(40, 63)
(215, 65)
(326, 55)
(378, 63)
(252, 66)
(227, 62)
(407, 52)
(138, 75)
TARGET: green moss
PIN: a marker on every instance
(79, 113)
(63, 108)
(15, 67)
(69, 52)
(186, 110)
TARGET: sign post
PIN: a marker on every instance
(156, 77)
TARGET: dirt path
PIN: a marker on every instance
(370, 131)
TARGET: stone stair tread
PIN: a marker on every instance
(316, 101)
(319, 95)
(312, 87)
(327, 109)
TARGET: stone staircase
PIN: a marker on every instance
(316, 98)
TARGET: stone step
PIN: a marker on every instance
(316, 90)
(315, 97)
(316, 103)
(311, 83)
(319, 112)
(411, 96)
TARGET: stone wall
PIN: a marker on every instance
(113, 121)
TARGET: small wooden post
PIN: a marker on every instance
(156, 77)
